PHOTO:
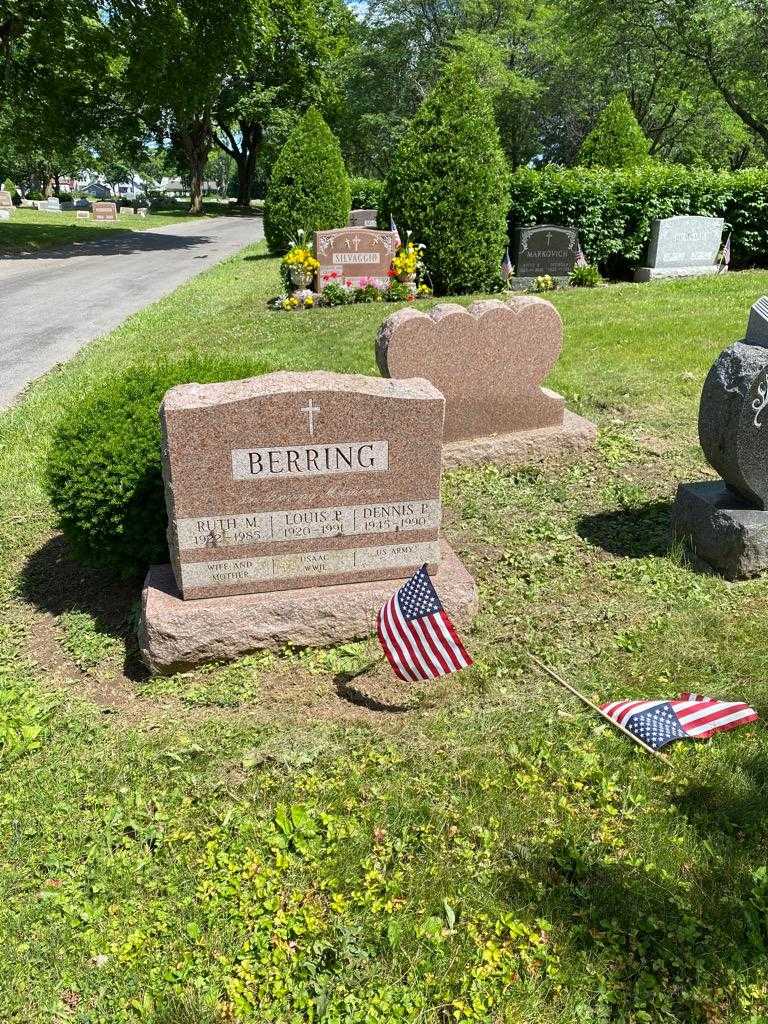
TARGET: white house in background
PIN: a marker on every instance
(175, 187)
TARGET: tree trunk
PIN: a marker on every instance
(244, 156)
(196, 141)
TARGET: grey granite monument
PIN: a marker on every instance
(542, 249)
(683, 247)
(726, 521)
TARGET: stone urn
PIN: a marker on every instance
(406, 278)
(301, 278)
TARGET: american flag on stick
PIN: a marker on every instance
(506, 266)
(393, 228)
(416, 635)
(688, 716)
(581, 259)
(725, 255)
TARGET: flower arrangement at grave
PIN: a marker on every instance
(544, 283)
(408, 263)
(300, 264)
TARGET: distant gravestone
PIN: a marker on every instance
(142, 211)
(5, 214)
(757, 326)
(104, 211)
(726, 521)
(6, 200)
(52, 205)
(127, 209)
(295, 500)
(544, 249)
(363, 218)
(83, 214)
(489, 361)
(682, 247)
(353, 255)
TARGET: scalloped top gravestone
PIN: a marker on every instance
(489, 361)
(682, 247)
(353, 256)
(726, 521)
(298, 480)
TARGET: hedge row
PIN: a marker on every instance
(613, 210)
(366, 192)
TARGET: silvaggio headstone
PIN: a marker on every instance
(294, 501)
(682, 247)
(353, 256)
(726, 521)
(544, 249)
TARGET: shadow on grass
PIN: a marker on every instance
(630, 532)
(54, 582)
(258, 256)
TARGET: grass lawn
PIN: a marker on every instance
(259, 842)
(29, 231)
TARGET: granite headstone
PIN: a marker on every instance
(682, 247)
(353, 255)
(362, 218)
(104, 211)
(5, 214)
(6, 199)
(52, 205)
(489, 361)
(726, 521)
(83, 214)
(757, 326)
(299, 480)
(544, 249)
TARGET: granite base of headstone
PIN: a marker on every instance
(5, 214)
(683, 247)
(489, 361)
(297, 504)
(725, 522)
(544, 250)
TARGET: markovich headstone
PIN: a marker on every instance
(544, 249)
(682, 247)
(489, 361)
(726, 521)
(352, 256)
(294, 502)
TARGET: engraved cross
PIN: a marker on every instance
(311, 409)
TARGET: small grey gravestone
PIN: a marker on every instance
(726, 521)
(5, 214)
(362, 219)
(83, 214)
(6, 199)
(683, 247)
(52, 205)
(757, 327)
(544, 249)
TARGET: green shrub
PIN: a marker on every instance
(34, 194)
(65, 197)
(613, 210)
(448, 185)
(366, 193)
(585, 277)
(309, 187)
(103, 475)
(617, 140)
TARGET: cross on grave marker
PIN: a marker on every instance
(310, 409)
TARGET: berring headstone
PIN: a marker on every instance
(354, 256)
(294, 500)
(726, 521)
(683, 247)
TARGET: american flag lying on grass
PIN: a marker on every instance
(416, 635)
(689, 716)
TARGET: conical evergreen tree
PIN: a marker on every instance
(309, 187)
(449, 185)
(617, 140)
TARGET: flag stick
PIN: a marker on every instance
(585, 700)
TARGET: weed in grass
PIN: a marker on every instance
(87, 645)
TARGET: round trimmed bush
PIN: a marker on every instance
(309, 187)
(449, 185)
(617, 140)
(104, 474)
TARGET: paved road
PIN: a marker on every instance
(53, 303)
